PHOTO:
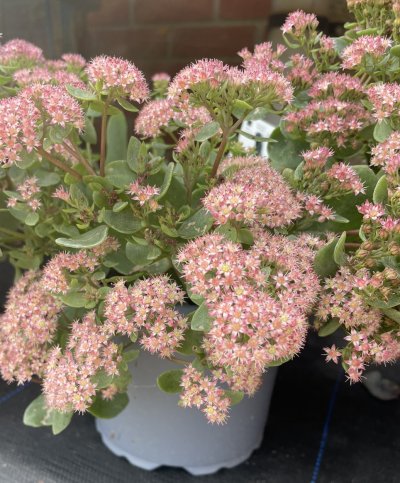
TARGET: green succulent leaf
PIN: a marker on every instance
(201, 319)
(324, 262)
(107, 409)
(207, 131)
(122, 221)
(339, 253)
(117, 138)
(196, 225)
(170, 381)
(89, 239)
(329, 328)
(381, 191)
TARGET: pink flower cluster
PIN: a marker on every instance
(315, 206)
(203, 393)
(254, 195)
(264, 53)
(54, 279)
(255, 76)
(347, 179)
(68, 381)
(18, 50)
(340, 86)
(161, 77)
(257, 300)
(387, 154)
(42, 75)
(27, 329)
(374, 46)
(119, 77)
(144, 195)
(158, 113)
(368, 339)
(385, 99)
(329, 119)
(21, 118)
(74, 60)
(297, 23)
(302, 72)
(316, 158)
(28, 192)
(147, 307)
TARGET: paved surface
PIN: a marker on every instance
(361, 442)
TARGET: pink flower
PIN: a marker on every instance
(316, 158)
(161, 77)
(332, 354)
(302, 71)
(27, 76)
(142, 194)
(371, 211)
(153, 117)
(201, 392)
(387, 154)
(347, 177)
(147, 308)
(68, 384)
(385, 99)
(298, 22)
(256, 194)
(74, 60)
(373, 45)
(340, 86)
(119, 77)
(27, 329)
(18, 50)
(61, 194)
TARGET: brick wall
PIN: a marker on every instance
(168, 34)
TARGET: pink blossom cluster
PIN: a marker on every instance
(266, 54)
(28, 192)
(74, 60)
(371, 211)
(161, 77)
(327, 45)
(68, 380)
(148, 308)
(54, 279)
(315, 206)
(144, 194)
(316, 158)
(369, 339)
(341, 86)
(119, 77)
(256, 76)
(298, 23)
(158, 113)
(27, 329)
(330, 118)
(302, 72)
(43, 75)
(203, 393)
(257, 300)
(18, 50)
(254, 195)
(374, 46)
(385, 99)
(347, 179)
(387, 154)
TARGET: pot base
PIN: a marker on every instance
(153, 431)
(151, 465)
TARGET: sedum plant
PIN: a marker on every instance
(110, 233)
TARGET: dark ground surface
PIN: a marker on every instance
(362, 444)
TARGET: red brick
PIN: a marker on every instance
(110, 13)
(216, 41)
(140, 43)
(172, 10)
(244, 9)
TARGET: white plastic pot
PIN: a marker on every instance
(154, 431)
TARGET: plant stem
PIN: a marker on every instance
(103, 141)
(77, 155)
(352, 245)
(14, 234)
(225, 136)
(59, 164)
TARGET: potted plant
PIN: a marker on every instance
(110, 236)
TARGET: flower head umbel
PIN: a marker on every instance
(68, 381)
(148, 309)
(19, 52)
(298, 23)
(256, 194)
(372, 46)
(27, 329)
(120, 78)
